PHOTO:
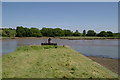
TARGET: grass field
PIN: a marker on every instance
(50, 62)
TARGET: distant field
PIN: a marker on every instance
(51, 62)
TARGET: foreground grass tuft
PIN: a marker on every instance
(51, 62)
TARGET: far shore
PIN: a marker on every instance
(69, 38)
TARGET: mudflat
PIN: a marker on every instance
(109, 63)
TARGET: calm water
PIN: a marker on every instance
(101, 48)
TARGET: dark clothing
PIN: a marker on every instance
(49, 40)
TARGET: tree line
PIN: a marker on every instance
(51, 32)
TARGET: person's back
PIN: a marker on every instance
(49, 40)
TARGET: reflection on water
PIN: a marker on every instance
(102, 48)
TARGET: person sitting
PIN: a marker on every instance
(49, 40)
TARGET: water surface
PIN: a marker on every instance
(101, 48)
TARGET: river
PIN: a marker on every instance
(101, 48)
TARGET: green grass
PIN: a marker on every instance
(51, 62)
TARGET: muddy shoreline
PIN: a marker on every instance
(111, 64)
(82, 38)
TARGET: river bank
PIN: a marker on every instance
(90, 38)
(51, 62)
(111, 64)
(69, 38)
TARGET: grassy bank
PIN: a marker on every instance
(51, 62)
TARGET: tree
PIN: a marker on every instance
(20, 32)
(68, 33)
(35, 32)
(58, 32)
(103, 34)
(44, 31)
(47, 32)
(84, 32)
(109, 34)
(50, 32)
(4, 33)
(27, 32)
(91, 33)
(76, 33)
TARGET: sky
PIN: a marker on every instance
(60, 0)
(96, 16)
